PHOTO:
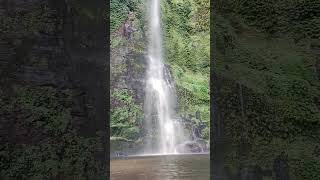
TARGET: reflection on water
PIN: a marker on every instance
(172, 167)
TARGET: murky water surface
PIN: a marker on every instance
(164, 167)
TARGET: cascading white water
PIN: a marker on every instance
(160, 99)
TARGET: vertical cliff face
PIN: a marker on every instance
(128, 68)
(266, 85)
(186, 51)
(53, 88)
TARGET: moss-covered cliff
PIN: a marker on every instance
(268, 83)
(127, 74)
(53, 116)
(186, 45)
(186, 42)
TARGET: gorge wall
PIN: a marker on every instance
(267, 86)
(53, 90)
(186, 55)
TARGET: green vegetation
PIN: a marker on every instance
(264, 48)
(58, 151)
(127, 65)
(119, 10)
(298, 19)
(40, 122)
(187, 46)
(127, 117)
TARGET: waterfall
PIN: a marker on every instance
(160, 100)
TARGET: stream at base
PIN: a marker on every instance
(162, 167)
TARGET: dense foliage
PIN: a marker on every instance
(119, 10)
(41, 111)
(268, 85)
(186, 31)
(298, 18)
(126, 130)
(127, 117)
(57, 150)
